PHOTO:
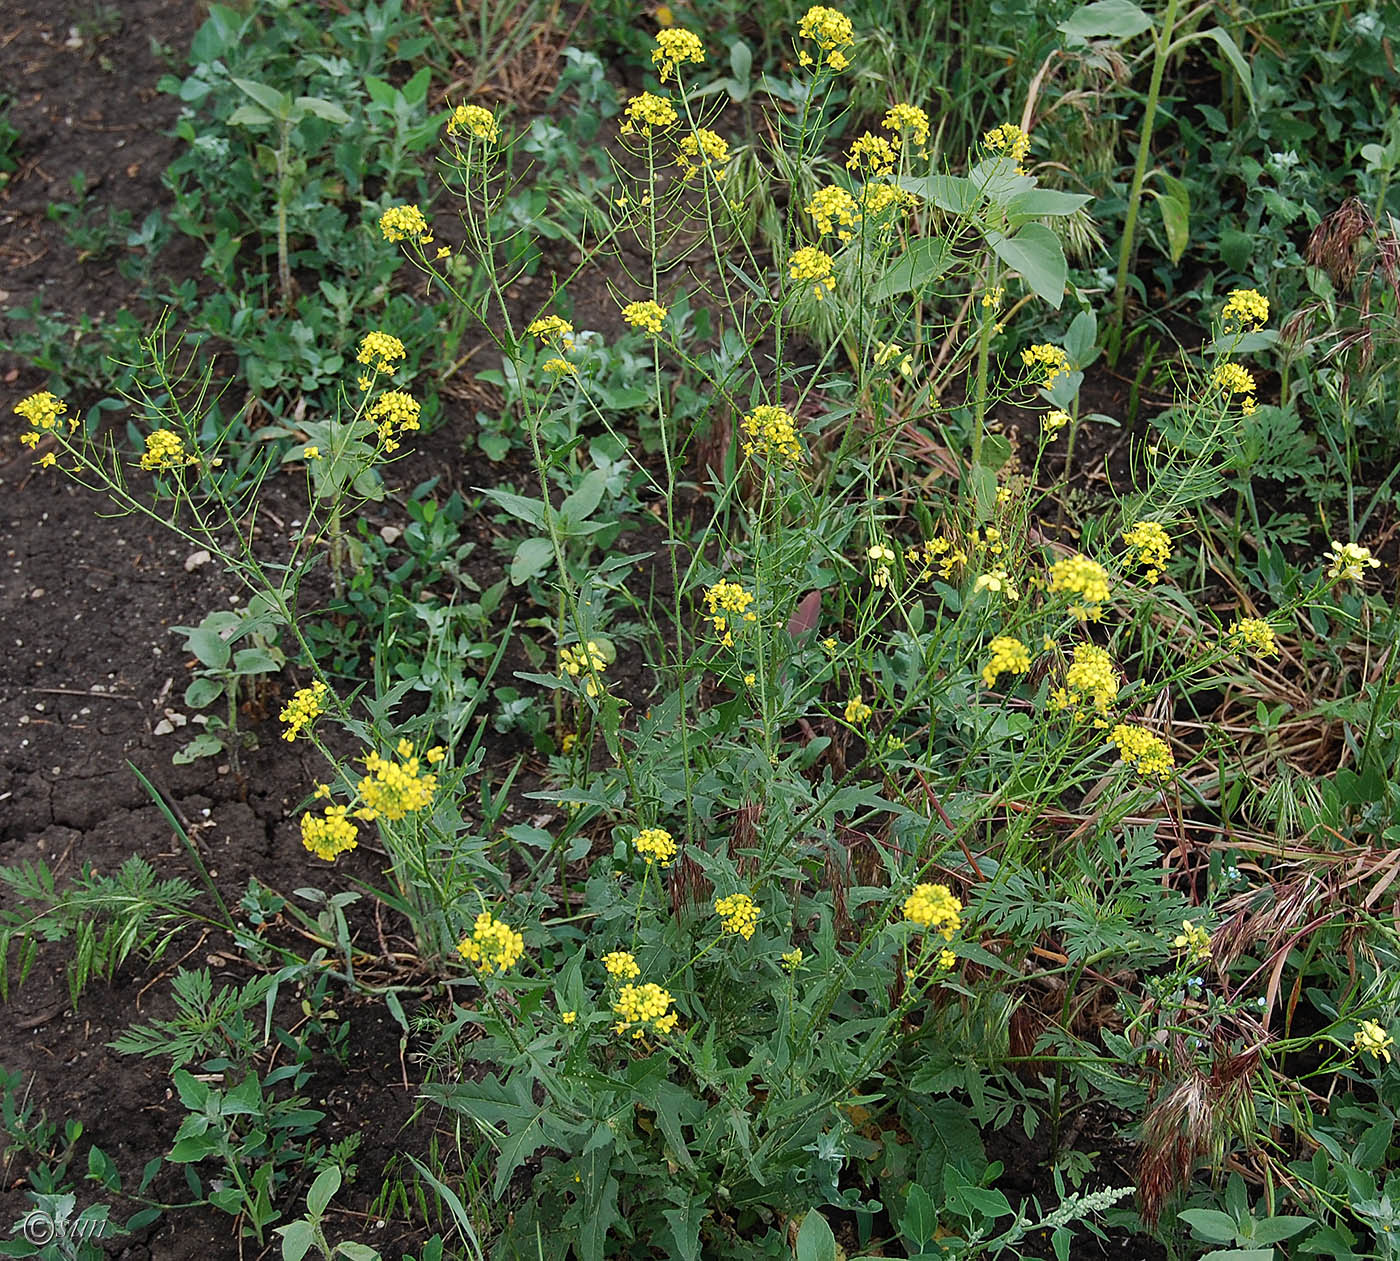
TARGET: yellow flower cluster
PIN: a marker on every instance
(812, 266)
(395, 413)
(165, 450)
(647, 316)
(1252, 632)
(329, 835)
(887, 353)
(857, 711)
(936, 552)
(834, 210)
(738, 914)
(621, 963)
(726, 600)
(908, 118)
(647, 111)
(1147, 754)
(871, 155)
(1153, 547)
(643, 1005)
(1231, 378)
(493, 945)
(1245, 309)
(1010, 140)
(1091, 683)
(706, 144)
(770, 432)
(474, 120)
(1052, 359)
(832, 31)
(1052, 422)
(1085, 578)
(557, 367)
(675, 47)
(44, 411)
(1194, 939)
(393, 789)
(875, 199)
(584, 662)
(405, 223)
(1009, 656)
(792, 959)
(307, 704)
(550, 329)
(997, 581)
(934, 906)
(1374, 1039)
(381, 351)
(656, 845)
(1350, 561)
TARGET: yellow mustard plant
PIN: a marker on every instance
(1148, 755)
(394, 788)
(676, 47)
(395, 413)
(1252, 633)
(887, 353)
(1245, 309)
(330, 834)
(857, 711)
(1008, 656)
(1374, 1039)
(405, 223)
(568, 1017)
(1152, 545)
(876, 198)
(620, 963)
(311, 453)
(1053, 421)
(380, 351)
(1010, 140)
(738, 914)
(871, 155)
(726, 603)
(1079, 576)
(474, 121)
(810, 265)
(934, 906)
(165, 450)
(44, 411)
(937, 553)
(643, 1007)
(703, 148)
(557, 367)
(646, 111)
(1194, 939)
(1230, 378)
(647, 316)
(904, 117)
(998, 582)
(831, 31)
(307, 704)
(1050, 361)
(770, 432)
(584, 662)
(552, 330)
(1090, 687)
(493, 945)
(1349, 561)
(834, 211)
(656, 845)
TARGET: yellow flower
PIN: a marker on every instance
(1194, 939)
(1231, 378)
(892, 352)
(395, 413)
(311, 453)
(738, 914)
(395, 789)
(165, 450)
(643, 1005)
(568, 1017)
(947, 959)
(647, 111)
(405, 223)
(834, 210)
(1147, 754)
(329, 835)
(792, 959)
(47, 460)
(1091, 684)
(811, 265)
(1252, 632)
(475, 121)
(1009, 656)
(557, 367)
(493, 944)
(1152, 545)
(676, 47)
(1010, 140)
(656, 845)
(832, 31)
(1245, 308)
(380, 350)
(999, 581)
(857, 711)
(906, 118)
(992, 298)
(770, 432)
(703, 148)
(621, 963)
(647, 316)
(1350, 561)
(550, 329)
(1052, 359)
(934, 906)
(1085, 578)
(307, 704)
(584, 662)
(45, 412)
(871, 155)
(1374, 1039)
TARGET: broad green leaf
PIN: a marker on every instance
(920, 265)
(535, 511)
(1107, 19)
(322, 1191)
(1210, 1224)
(1277, 1229)
(249, 116)
(296, 1240)
(531, 559)
(815, 1242)
(205, 744)
(589, 494)
(1236, 59)
(203, 692)
(1045, 203)
(209, 646)
(740, 61)
(1175, 205)
(356, 1251)
(276, 102)
(255, 661)
(328, 110)
(953, 193)
(1036, 253)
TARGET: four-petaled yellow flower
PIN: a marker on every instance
(165, 450)
(552, 330)
(1252, 632)
(1374, 1039)
(1085, 578)
(725, 602)
(770, 431)
(908, 118)
(832, 31)
(656, 845)
(329, 835)
(738, 914)
(1050, 359)
(857, 711)
(395, 412)
(813, 266)
(1010, 140)
(1052, 422)
(405, 223)
(474, 121)
(647, 111)
(703, 148)
(1245, 309)
(381, 351)
(394, 789)
(642, 1006)
(1009, 656)
(834, 210)
(1350, 561)
(493, 946)
(934, 906)
(584, 662)
(999, 582)
(1091, 685)
(647, 316)
(1153, 547)
(307, 704)
(1148, 755)
(1194, 939)
(871, 155)
(621, 963)
(676, 47)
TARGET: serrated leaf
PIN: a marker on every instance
(1107, 19)
(1035, 252)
